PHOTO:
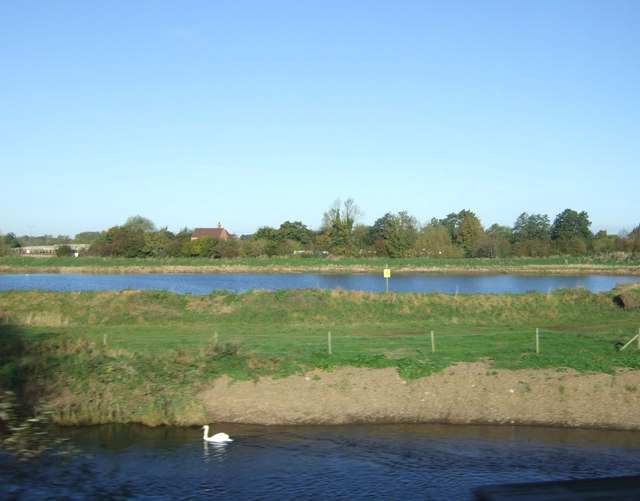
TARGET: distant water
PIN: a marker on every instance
(241, 282)
(426, 462)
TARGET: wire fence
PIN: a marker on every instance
(429, 343)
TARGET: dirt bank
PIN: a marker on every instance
(465, 393)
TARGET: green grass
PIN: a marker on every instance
(606, 262)
(146, 353)
(296, 323)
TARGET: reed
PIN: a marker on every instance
(610, 263)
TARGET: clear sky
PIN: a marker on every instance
(253, 113)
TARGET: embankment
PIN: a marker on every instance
(466, 393)
(462, 394)
(155, 357)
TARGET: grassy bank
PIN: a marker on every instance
(142, 356)
(619, 264)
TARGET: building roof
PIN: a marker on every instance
(218, 232)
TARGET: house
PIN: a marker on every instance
(218, 232)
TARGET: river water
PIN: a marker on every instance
(344, 462)
(242, 282)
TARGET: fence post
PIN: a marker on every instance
(215, 337)
(104, 340)
(433, 343)
(537, 340)
(329, 341)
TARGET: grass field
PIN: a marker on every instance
(146, 353)
(577, 328)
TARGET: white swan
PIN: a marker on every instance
(217, 438)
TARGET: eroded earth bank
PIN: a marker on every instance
(464, 393)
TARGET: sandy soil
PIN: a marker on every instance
(464, 393)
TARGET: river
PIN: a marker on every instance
(242, 282)
(343, 462)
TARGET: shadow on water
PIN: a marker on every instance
(24, 434)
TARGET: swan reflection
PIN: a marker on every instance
(217, 452)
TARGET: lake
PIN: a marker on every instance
(242, 282)
(428, 462)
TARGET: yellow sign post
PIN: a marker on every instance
(387, 276)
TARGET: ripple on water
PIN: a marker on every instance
(394, 462)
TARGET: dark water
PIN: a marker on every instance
(240, 282)
(346, 462)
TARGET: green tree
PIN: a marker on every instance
(157, 242)
(256, 247)
(452, 221)
(570, 226)
(495, 242)
(174, 247)
(633, 240)
(338, 223)
(86, 237)
(269, 239)
(11, 241)
(128, 244)
(200, 247)
(605, 243)
(531, 227)
(393, 235)
(434, 240)
(322, 242)
(140, 224)
(295, 231)
(226, 249)
(361, 238)
(127, 240)
(469, 234)
(64, 251)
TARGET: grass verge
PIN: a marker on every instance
(626, 264)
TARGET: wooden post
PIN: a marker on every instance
(537, 340)
(215, 337)
(104, 340)
(433, 343)
(637, 336)
(329, 341)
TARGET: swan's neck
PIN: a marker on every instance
(206, 432)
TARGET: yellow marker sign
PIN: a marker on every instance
(387, 273)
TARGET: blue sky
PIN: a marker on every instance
(252, 113)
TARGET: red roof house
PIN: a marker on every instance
(218, 232)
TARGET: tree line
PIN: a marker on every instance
(394, 235)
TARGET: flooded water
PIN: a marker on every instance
(242, 282)
(343, 462)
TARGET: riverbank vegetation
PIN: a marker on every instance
(610, 264)
(399, 235)
(142, 356)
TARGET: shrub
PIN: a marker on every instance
(64, 251)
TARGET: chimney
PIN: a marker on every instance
(219, 225)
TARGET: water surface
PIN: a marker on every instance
(242, 282)
(341, 462)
